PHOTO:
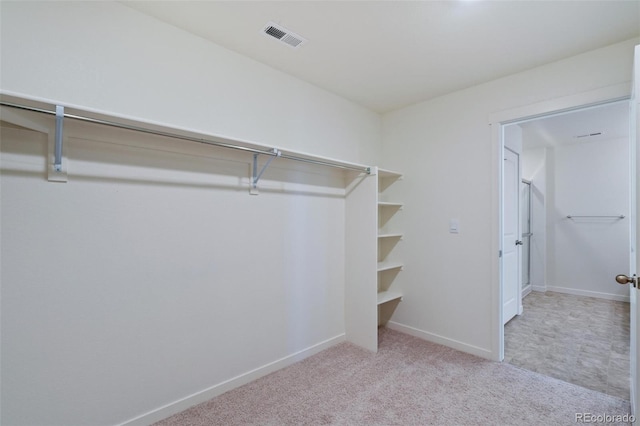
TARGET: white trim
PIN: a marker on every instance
(602, 95)
(606, 94)
(497, 337)
(435, 338)
(525, 291)
(540, 288)
(588, 293)
(182, 404)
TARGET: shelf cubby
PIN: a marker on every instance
(386, 211)
(386, 243)
(388, 267)
(386, 178)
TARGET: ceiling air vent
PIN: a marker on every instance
(282, 34)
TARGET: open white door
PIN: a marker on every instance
(634, 136)
(634, 237)
(511, 227)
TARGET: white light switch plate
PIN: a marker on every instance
(454, 226)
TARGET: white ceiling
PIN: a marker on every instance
(610, 120)
(385, 55)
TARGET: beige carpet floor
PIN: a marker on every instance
(408, 382)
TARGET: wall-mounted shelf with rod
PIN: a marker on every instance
(61, 114)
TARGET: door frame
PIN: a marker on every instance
(497, 121)
(529, 211)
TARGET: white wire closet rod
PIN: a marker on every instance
(269, 152)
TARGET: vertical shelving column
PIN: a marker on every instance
(361, 223)
(388, 237)
(371, 259)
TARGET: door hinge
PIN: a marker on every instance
(500, 253)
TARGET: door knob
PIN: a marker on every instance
(518, 242)
(623, 279)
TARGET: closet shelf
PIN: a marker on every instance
(382, 266)
(390, 205)
(386, 178)
(384, 173)
(390, 236)
(254, 148)
(388, 296)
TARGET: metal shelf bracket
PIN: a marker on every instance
(255, 176)
(57, 150)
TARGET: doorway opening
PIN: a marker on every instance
(573, 321)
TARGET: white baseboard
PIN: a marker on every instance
(541, 288)
(215, 390)
(526, 290)
(445, 341)
(588, 293)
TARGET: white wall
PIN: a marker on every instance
(589, 178)
(444, 148)
(152, 275)
(534, 170)
(107, 57)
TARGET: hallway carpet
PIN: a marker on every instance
(581, 340)
(408, 382)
